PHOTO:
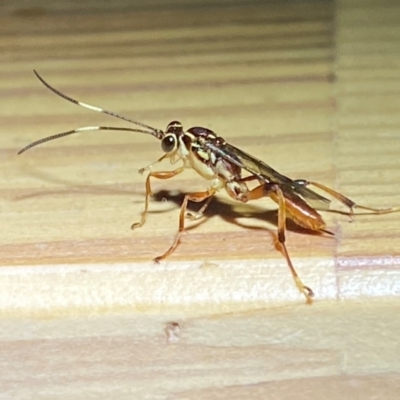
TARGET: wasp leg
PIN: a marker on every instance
(196, 197)
(148, 167)
(194, 216)
(158, 175)
(273, 190)
(345, 200)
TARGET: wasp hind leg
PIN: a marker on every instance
(273, 190)
(345, 200)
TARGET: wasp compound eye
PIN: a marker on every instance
(168, 143)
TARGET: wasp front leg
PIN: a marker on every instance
(196, 197)
(158, 175)
(148, 167)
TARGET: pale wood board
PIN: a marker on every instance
(311, 87)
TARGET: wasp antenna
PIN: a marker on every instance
(83, 129)
(155, 132)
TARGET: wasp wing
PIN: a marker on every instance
(266, 173)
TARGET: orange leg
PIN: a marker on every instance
(269, 189)
(158, 175)
(345, 200)
(197, 197)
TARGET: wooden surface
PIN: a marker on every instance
(311, 87)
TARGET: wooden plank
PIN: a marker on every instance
(85, 313)
(261, 77)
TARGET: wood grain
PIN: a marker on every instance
(312, 88)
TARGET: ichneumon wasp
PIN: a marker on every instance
(225, 166)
